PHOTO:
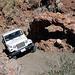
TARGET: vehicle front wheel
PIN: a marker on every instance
(33, 48)
(14, 57)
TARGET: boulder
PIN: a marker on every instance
(44, 9)
(73, 8)
(57, 1)
(60, 5)
(51, 8)
(38, 10)
(58, 41)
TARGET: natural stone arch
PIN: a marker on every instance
(37, 27)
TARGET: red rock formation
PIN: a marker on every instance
(38, 31)
(8, 67)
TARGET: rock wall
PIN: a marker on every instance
(47, 18)
(39, 32)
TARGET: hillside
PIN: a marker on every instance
(49, 23)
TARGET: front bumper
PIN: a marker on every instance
(19, 51)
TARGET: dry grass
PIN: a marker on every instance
(67, 67)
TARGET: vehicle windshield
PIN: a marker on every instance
(13, 35)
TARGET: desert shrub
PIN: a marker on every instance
(10, 5)
(33, 1)
(67, 67)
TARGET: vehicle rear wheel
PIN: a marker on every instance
(33, 48)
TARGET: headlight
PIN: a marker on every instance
(14, 46)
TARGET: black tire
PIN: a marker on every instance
(5, 47)
(33, 48)
(10, 56)
(15, 57)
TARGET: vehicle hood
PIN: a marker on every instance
(16, 41)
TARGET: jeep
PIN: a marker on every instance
(16, 42)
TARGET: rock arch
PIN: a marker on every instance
(37, 31)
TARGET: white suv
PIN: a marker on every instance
(16, 42)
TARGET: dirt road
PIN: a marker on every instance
(39, 62)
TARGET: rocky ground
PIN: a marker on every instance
(39, 62)
(32, 63)
(48, 27)
(51, 26)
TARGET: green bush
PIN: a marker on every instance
(67, 67)
(33, 1)
(10, 5)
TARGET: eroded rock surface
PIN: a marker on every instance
(38, 29)
(8, 67)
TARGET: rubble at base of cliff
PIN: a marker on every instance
(8, 66)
